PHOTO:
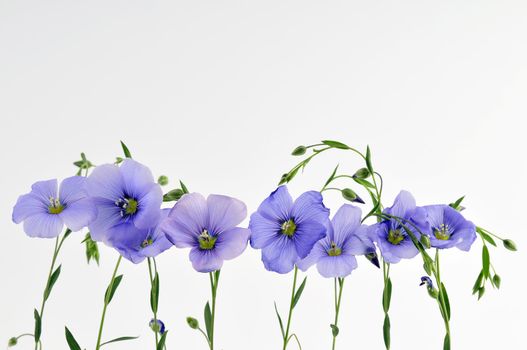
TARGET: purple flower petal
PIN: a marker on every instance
(186, 220)
(224, 212)
(232, 243)
(263, 230)
(205, 260)
(280, 256)
(336, 266)
(277, 206)
(43, 225)
(79, 214)
(403, 205)
(314, 256)
(133, 255)
(137, 178)
(147, 215)
(309, 207)
(28, 205)
(108, 216)
(359, 243)
(72, 189)
(106, 182)
(306, 235)
(45, 190)
(345, 222)
(125, 236)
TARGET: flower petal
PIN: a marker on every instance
(72, 189)
(28, 205)
(277, 206)
(263, 230)
(232, 243)
(306, 235)
(79, 214)
(45, 189)
(336, 266)
(314, 256)
(125, 236)
(43, 225)
(224, 212)
(106, 181)
(359, 243)
(186, 220)
(108, 216)
(205, 260)
(345, 222)
(403, 205)
(309, 207)
(148, 213)
(280, 256)
(138, 179)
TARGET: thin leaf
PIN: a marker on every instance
(363, 182)
(368, 159)
(208, 320)
(386, 331)
(118, 339)
(446, 342)
(447, 301)
(387, 295)
(332, 176)
(126, 151)
(161, 344)
(53, 278)
(485, 257)
(487, 237)
(298, 293)
(477, 284)
(335, 144)
(279, 320)
(38, 325)
(154, 294)
(183, 187)
(108, 296)
(70, 339)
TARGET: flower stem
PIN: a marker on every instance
(340, 282)
(56, 250)
(286, 335)
(214, 279)
(441, 299)
(106, 302)
(152, 286)
(386, 298)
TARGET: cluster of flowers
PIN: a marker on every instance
(121, 205)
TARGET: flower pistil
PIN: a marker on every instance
(206, 241)
(288, 228)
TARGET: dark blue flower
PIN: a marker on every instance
(157, 326)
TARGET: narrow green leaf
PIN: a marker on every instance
(279, 320)
(387, 296)
(334, 330)
(161, 344)
(364, 183)
(485, 257)
(119, 339)
(126, 151)
(481, 291)
(386, 331)
(183, 187)
(332, 176)
(446, 342)
(108, 296)
(38, 325)
(72, 343)
(486, 237)
(299, 291)
(447, 301)
(154, 294)
(208, 320)
(52, 279)
(368, 159)
(335, 144)
(477, 284)
(92, 249)
(497, 281)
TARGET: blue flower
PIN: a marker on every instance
(128, 202)
(390, 235)
(286, 231)
(448, 228)
(48, 207)
(335, 254)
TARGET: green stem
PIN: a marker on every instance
(214, 279)
(340, 282)
(286, 335)
(106, 301)
(441, 297)
(152, 286)
(56, 250)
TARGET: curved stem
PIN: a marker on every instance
(441, 297)
(106, 302)
(214, 279)
(340, 282)
(286, 335)
(152, 286)
(56, 250)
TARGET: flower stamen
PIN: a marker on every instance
(55, 207)
(288, 228)
(442, 233)
(206, 241)
(334, 250)
(395, 236)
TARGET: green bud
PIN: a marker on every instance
(192, 323)
(173, 195)
(481, 291)
(334, 330)
(118, 160)
(300, 150)
(12, 342)
(510, 245)
(362, 173)
(349, 194)
(162, 180)
(425, 241)
(497, 281)
(432, 292)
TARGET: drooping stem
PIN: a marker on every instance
(338, 298)
(58, 244)
(214, 279)
(442, 301)
(106, 302)
(152, 286)
(286, 334)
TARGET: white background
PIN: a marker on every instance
(218, 93)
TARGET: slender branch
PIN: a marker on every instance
(286, 335)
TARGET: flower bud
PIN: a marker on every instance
(510, 245)
(12, 342)
(192, 323)
(300, 150)
(425, 241)
(362, 173)
(157, 326)
(162, 180)
(351, 196)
